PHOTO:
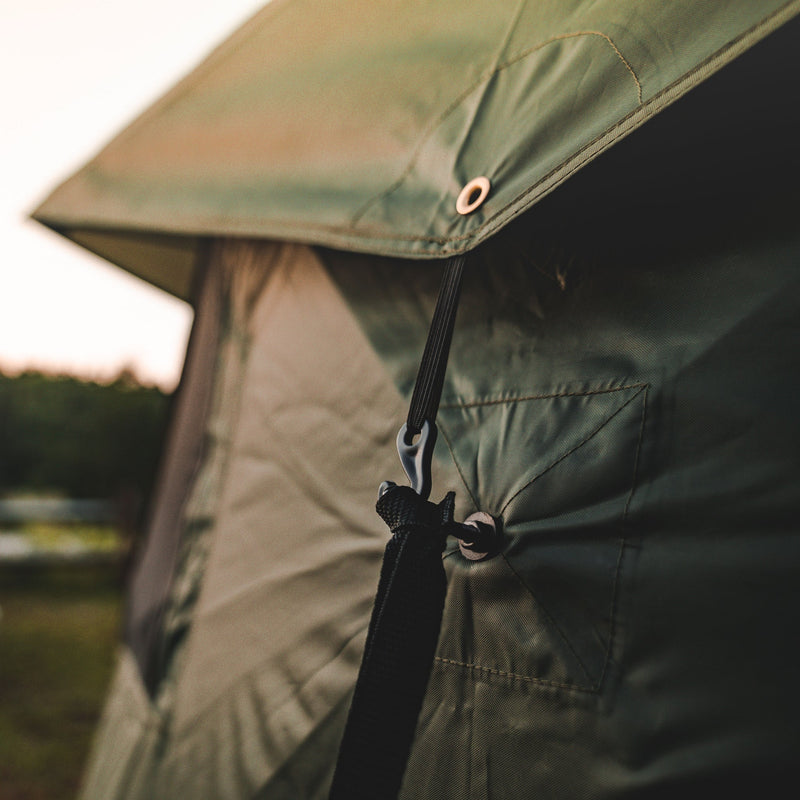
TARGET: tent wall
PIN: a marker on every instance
(280, 499)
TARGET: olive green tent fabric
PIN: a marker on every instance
(621, 394)
(355, 125)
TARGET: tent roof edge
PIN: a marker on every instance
(107, 200)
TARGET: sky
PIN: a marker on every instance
(74, 74)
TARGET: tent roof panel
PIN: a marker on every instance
(356, 126)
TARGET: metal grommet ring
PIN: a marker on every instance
(472, 520)
(473, 195)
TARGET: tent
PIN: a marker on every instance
(621, 394)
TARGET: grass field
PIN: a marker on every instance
(58, 635)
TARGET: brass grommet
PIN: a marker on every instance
(473, 195)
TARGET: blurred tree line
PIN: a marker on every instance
(78, 438)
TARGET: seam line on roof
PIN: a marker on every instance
(484, 78)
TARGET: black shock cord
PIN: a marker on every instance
(430, 377)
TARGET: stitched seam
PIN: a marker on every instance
(484, 78)
(638, 452)
(514, 675)
(491, 401)
(623, 545)
(552, 621)
(624, 60)
(570, 451)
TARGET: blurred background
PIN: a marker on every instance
(89, 357)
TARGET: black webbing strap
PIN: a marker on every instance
(401, 643)
(404, 627)
(430, 376)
